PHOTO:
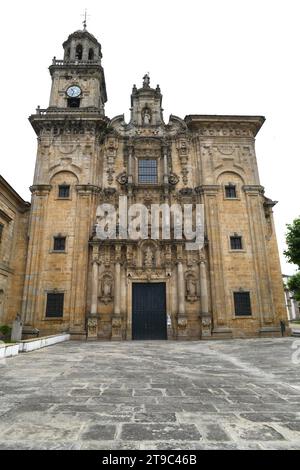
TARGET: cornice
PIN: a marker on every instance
(40, 189)
(224, 125)
(87, 189)
(253, 189)
(21, 204)
(208, 189)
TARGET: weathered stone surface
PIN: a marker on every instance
(159, 432)
(99, 159)
(42, 406)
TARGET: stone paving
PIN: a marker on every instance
(233, 394)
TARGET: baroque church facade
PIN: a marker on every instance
(122, 289)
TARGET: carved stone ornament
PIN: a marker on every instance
(206, 325)
(148, 257)
(92, 327)
(182, 149)
(186, 191)
(122, 178)
(173, 179)
(206, 321)
(109, 191)
(182, 322)
(116, 322)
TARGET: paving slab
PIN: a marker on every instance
(228, 394)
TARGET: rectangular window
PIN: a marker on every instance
(147, 171)
(63, 191)
(242, 304)
(1, 231)
(59, 244)
(230, 191)
(55, 305)
(236, 243)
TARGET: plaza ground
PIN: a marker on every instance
(233, 394)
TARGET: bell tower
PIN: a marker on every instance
(66, 187)
(78, 79)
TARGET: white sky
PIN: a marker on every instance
(209, 57)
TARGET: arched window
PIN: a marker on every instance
(91, 54)
(79, 52)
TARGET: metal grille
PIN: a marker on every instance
(55, 305)
(242, 304)
(147, 171)
(59, 243)
(149, 311)
(236, 243)
(64, 191)
(230, 191)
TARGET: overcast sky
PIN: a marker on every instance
(209, 57)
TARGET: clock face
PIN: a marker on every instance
(73, 91)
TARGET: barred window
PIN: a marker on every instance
(242, 304)
(59, 244)
(236, 243)
(230, 191)
(55, 305)
(147, 171)
(63, 191)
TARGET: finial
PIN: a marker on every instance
(85, 16)
(146, 80)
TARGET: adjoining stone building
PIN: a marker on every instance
(14, 218)
(147, 289)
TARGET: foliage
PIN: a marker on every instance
(293, 242)
(294, 285)
(5, 330)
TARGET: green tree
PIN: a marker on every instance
(294, 285)
(293, 255)
(293, 243)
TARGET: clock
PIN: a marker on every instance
(73, 91)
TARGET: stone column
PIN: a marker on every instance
(116, 326)
(117, 306)
(205, 316)
(166, 173)
(180, 285)
(33, 296)
(92, 320)
(182, 319)
(129, 169)
(94, 302)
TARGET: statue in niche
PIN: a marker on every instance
(148, 260)
(146, 116)
(191, 289)
(106, 289)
